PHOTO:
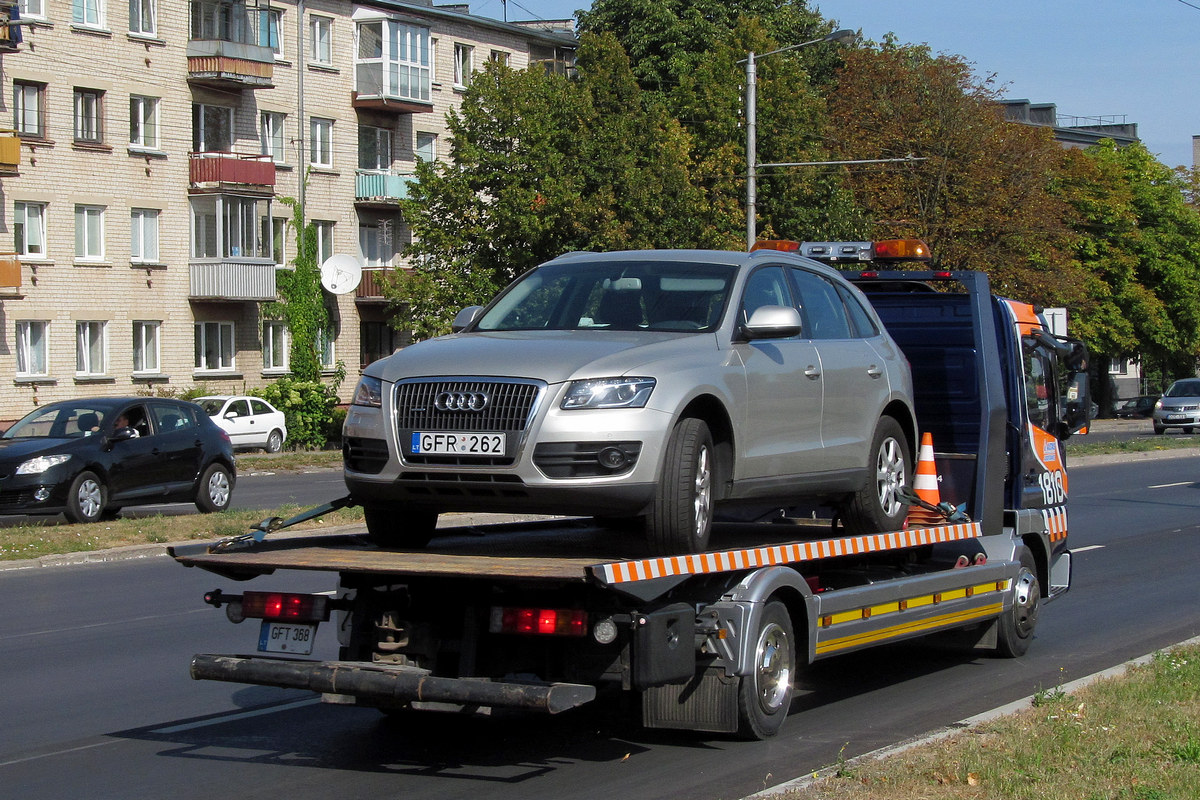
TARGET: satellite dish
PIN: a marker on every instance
(341, 273)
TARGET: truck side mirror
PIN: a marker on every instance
(1078, 406)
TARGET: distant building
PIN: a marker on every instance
(144, 151)
(1071, 131)
(1196, 151)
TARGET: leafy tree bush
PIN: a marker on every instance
(307, 405)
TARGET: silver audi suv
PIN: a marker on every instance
(641, 387)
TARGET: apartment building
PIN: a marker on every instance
(152, 145)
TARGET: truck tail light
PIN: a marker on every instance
(539, 621)
(285, 606)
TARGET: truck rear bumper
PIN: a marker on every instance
(389, 685)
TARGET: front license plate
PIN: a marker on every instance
(1178, 418)
(432, 443)
(286, 637)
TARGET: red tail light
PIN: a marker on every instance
(539, 621)
(284, 606)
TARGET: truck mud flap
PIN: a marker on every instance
(389, 685)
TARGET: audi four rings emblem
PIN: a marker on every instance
(460, 401)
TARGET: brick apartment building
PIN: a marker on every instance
(151, 142)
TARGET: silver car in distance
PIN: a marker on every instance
(641, 387)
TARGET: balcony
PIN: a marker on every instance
(370, 288)
(223, 49)
(392, 88)
(232, 279)
(219, 171)
(10, 271)
(381, 188)
(10, 154)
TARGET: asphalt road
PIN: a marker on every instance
(96, 701)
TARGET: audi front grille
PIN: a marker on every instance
(466, 406)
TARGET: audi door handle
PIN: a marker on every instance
(874, 371)
(812, 373)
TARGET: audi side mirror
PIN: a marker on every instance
(465, 318)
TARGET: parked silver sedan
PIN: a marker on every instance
(647, 387)
(1179, 407)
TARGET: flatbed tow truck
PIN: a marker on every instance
(546, 616)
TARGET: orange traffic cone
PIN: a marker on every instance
(925, 484)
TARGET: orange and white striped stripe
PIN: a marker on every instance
(1055, 520)
(773, 555)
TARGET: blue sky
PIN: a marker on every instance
(1133, 58)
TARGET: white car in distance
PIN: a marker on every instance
(249, 421)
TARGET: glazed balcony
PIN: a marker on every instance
(218, 171)
(223, 49)
(379, 187)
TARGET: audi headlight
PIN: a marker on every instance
(36, 466)
(608, 393)
(369, 392)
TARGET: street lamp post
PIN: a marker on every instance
(752, 122)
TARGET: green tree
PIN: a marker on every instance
(541, 165)
(301, 301)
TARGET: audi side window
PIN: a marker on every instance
(864, 326)
(821, 305)
(766, 287)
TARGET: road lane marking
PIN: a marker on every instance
(58, 752)
(1085, 549)
(1169, 485)
(236, 716)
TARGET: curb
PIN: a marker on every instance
(819, 775)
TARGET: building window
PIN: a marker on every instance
(212, 129)
(325, 349)
(88, 12)
(324, 240)
(275, 347)
(214, 346)
(143, 17)
(32, 337)
(269, 25)
(89, 233)
(145, 346)
(143, 122)
(426, 146)
(320, 142)
(89, 348)
(499, 57)
(374, 148)
(88, 116)
(29, 229)
(33, 8)
(29, 118)
(393, 59)
(276, 236)
(377, 340)
(375, 242)
(229, 226)
(320, 36)
(463, 55)
(143, 235)
(273, 141)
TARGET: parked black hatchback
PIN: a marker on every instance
(89, 458)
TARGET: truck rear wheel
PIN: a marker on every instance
(1017, 624)
(680, 519)
(765, 695)
(877, 508)
(400, 529)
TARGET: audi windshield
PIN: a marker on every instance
(616, 295)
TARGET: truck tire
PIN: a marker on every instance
(1016, 625)
(765, 695)
(877, 508)
(86, 498)
(400, 529)
(680, 518)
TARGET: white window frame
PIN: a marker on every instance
(33, 347)
(270, 29)
(320, 144)
(143, 17)
(202, 141)
(326, 351)
(273, 136)
(89, 115)
(276, 346)
(464, 58)
(35, 9)
(146, 348)
(426, 142)
(89, 233)
(324, 231)
(88, 13)
(29, 111)
(320, 40)
(228, 227)
(226, 349)
(501, 57)
(143, 235)
(143, 122)
(381, 140)
(91, 348)
(29, 229)
(376, 252)
(394, 60)
(279, 241)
